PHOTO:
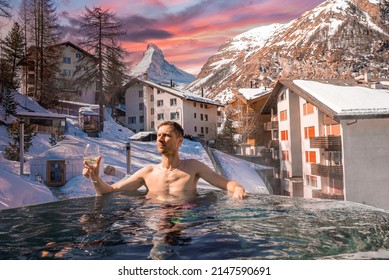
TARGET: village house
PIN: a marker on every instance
(332, 139)
(70, 56)
(248, 122)
(147, 104)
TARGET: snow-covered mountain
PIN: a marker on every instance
(337, 39)
(158, 69)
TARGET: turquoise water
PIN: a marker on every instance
(124, 226)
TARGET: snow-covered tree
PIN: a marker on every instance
(9, 103)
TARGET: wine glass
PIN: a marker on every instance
(91, 153)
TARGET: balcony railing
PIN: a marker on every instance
(270, 126)
(326, 170)
(330, 143)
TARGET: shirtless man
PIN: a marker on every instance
(172, 178)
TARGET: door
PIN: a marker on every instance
(56, 170)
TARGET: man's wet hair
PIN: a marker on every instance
(177, 127)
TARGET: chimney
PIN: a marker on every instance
(171, 83)
(145, 76)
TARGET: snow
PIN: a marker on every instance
(251, 93)
(348, 100)
(19, 191)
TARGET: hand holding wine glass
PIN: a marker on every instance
(91, 156)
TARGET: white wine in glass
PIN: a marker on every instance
(91, 153)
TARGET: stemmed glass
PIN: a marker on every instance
(91, 153)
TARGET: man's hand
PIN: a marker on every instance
(92, 171)
(237, 191)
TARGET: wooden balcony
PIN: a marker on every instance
(326, 170)
(330, 143)
(270, 126)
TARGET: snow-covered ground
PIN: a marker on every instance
(17, 191)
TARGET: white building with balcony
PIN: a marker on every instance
(148, 104)
(333, 139)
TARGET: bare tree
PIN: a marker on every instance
(100, 30)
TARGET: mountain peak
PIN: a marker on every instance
(158, 69)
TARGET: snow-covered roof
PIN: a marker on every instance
(348, 101)
(184, 95)
(142, 134)
(63, 151)
(251, 93)
(41, 114)
(87, 111)
(94, 106)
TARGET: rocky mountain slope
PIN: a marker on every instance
(158, 69)
(337, 39)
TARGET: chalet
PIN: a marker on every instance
(148, 104)
(70, 64)
(245, 110)
(49, 123)
(332, 139)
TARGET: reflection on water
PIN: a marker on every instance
(122, 226)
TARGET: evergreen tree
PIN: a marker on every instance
(225, 140)
(12, 151)
(13, 51)
(101, 31)
(9, 103)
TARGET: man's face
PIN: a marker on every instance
(167, 140)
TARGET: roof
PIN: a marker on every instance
(339, 100)
(176, 92)
(253, 93)
(40, 115)
(62, 151)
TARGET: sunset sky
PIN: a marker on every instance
(187, 31)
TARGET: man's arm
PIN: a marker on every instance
(232, 187)
(133, 182)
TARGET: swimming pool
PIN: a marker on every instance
(124, 226)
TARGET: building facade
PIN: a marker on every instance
(331, 139)
(69, 65)
(148, 104)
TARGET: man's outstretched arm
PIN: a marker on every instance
(232, 187)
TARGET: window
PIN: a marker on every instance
(141, 93)
(159, 103)
(206, 106)
(174, 116)
(308, 108)
(173, 102)
(283, 116)
(195, 115)
(201, 116)
(78, 55)
(333, 129)
(159, 92)
(195, 128)
(284, 135)
(282, 96)
(285, 155)
(194, 104)
(152, 111)
(141, 119)
(141, 106)
(309, 132)
(201, 105)
(206, 117)
(67, 72)
(311, 181)
(285, 174)
(131, 119)
(202, 130)
(310, 156)
(67, 60)
(152, 98)
(206, 130)
(152, 125)
(160, 117)
(78, 67)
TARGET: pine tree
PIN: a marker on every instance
(12, 151)
(101, 31)
(13, 50)
(9, 103)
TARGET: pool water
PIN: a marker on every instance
(127, 226)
